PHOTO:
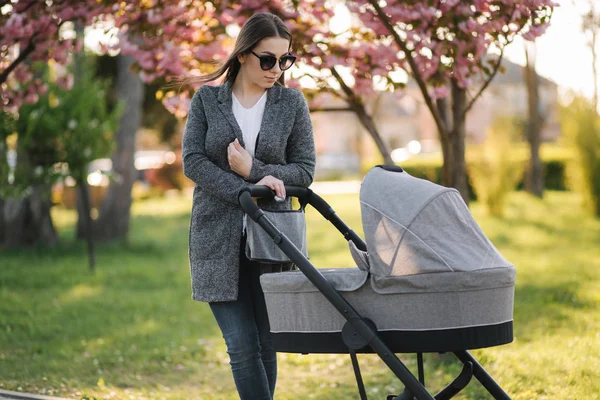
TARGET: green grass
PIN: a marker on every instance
(131, 331)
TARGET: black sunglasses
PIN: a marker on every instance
(267, 62)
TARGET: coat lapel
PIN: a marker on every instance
(225, 105)
(269, 116)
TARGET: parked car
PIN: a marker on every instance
(156, 172)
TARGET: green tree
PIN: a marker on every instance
(494, 170)
(62, 133)
(581, 127)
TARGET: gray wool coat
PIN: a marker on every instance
(284, 149)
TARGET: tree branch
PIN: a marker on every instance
(413, 66)
(358, 107)
(485, 84)
(493, 74)
(22, 56)
(350, 96)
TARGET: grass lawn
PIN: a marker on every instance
(131, 331)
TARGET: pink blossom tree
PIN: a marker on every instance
(442, 44)
(32, 32)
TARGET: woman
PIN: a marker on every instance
(250, 130)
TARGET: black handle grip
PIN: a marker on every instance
(264, 192)
(267, 193)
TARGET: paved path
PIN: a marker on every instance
(335, 187)
(8, 395)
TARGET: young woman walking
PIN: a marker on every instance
(249, 130)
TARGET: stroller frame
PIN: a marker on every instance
(359, 332)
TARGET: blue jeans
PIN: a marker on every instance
(245, 327)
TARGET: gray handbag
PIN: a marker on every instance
(259, 245)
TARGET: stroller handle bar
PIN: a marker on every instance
(305, 196)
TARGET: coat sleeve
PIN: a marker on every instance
(299, 169)
(196, 165)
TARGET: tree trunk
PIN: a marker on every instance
(534, 176)
(457, 139)
(27, 221)
(442, 106)
(452, 140)
(113, 220)
(592, 44)
(85, 215)
(3, 226)
(366, 121)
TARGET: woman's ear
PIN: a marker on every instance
(241, 58)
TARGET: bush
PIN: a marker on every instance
(554, 158)
(494, 171)
(581, 126)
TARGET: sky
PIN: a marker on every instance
(563, 55)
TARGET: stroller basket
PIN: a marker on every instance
(414, 289)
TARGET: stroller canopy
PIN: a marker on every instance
(415, 227)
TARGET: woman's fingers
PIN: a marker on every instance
(236, 144)
(233, 157)
(274, 184)
(281, 190)
(230, 154)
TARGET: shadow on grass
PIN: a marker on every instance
(543, 309)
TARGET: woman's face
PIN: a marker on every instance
(273, 46)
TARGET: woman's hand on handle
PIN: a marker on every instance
(275, 184)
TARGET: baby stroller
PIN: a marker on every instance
(427, 280)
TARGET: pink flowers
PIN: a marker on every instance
(439, 92)
(446, 39)
(33, 27)
(444, 50)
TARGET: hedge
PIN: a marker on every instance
(554, 159)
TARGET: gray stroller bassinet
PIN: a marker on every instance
(427, 280)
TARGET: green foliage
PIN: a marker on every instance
(64, 131)
(581, 127)
(493, 171)
(7, 128)
(429, 166)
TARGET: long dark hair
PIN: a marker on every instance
(258, 27)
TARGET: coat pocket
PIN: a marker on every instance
(209, 236)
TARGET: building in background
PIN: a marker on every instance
(402, 117)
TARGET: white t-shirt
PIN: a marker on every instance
(249, 120)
